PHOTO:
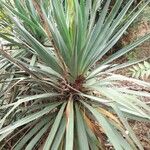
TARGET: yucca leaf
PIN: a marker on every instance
(128, 128)
(38, 47)
(25, 18)
(93, 141)
(69, 125)
(38, 136)
(112, 28)
(126, 49)
(124, 100)
(81, 132)
(117, 36)
(97, 99)
(94, 35)
(117, 77)
(30, 98)
(30, 134)
(113, 137)
(59, 135)
(28, 119)
(3, 136)
(16, 104)
(54, 128)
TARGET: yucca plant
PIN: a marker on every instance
(54, 94)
